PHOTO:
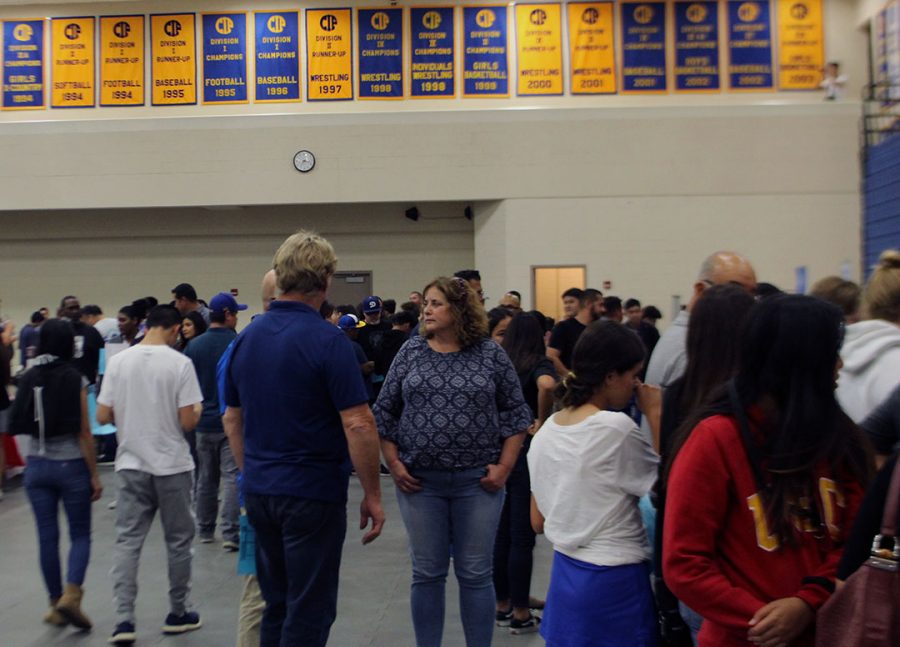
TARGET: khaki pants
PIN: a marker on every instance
(250, 613)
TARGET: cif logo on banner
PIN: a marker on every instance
(485, 18)
(643, 14)
(799, 11)
(380, 21)
(72, 31)
(276, 24)
(748, 12)
(23, 33)
(172, 28)
(328, 22)
(696, 13)
(538, 17)
(224, 25)
(590, 16)
(121, 29)
(431, 20)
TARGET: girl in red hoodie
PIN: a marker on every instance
(764, 483)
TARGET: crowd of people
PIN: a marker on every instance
(751, 430)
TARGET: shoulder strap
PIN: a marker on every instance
(889, 519)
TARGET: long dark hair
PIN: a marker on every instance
(604, 347)
(524, 342)
(713, 343)
(496, 315)
(788, 358)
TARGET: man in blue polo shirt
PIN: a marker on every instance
(297, 415)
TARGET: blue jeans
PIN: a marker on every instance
(692, 619)
(298, 559)
(47, 482)
(452, 510)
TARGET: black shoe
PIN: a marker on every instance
(187, 621)
(527, 626)
(384, 471)
(504, 617)
(123, 634)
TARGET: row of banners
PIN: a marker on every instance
(428, 40)
(885, 30)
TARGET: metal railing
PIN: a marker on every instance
(881, 114)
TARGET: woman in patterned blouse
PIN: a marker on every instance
(452, 420)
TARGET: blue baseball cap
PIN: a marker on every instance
(350, 322)
(224, 301)
(372, 304)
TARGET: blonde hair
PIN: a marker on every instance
(842, 293)
(882, 295)
(470, 321)
(304, 263)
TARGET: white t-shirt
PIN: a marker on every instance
(145, 386)
(586, 479)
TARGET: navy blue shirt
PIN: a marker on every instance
(292, 373)
(205, 351)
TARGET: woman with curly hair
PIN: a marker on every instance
(452, 419)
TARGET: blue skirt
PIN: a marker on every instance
(599, 606)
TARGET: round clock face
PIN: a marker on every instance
(304, 161)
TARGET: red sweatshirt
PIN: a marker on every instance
(719, 557)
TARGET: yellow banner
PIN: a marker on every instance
(173, 62)
(329, 54)
(592, 52)
(539, 43)
(121, 60)
(72, 63)
(801, 52)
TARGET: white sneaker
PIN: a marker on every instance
(112, 505)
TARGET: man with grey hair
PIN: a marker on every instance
(297, 415)
(669, 358)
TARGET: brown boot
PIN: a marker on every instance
(69, 607)
(54, 617)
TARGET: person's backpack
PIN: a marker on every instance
(48, 402)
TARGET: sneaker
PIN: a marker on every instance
(111, 505)
(384, 471)
(205, 538)
(504, 617)
(106, 460)
(528, 626)
(187, 621)
(123, 634)
(231, 546)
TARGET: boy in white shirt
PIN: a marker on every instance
(151, 393)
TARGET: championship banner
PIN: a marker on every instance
(432, 61)
(485, 51)
(892, 47)
(173, 63)
(23, 64)
(121, 60)
(72, 62)
(749, 45)
(643, 47)
(592, 52)
(380, 53)
(224, 58)
(329, 55)
(801, 51)
(277, 56)
(697, 46)
(539, 45)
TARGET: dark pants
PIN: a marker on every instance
(48, 482)
(515, 541)
(298, 557)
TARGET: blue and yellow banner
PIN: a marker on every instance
(643, 47)
(801, 50)
(592, 51)
(224, 58)
(121, 60)
(23, 64)
(539, 46)
(72, 62)
(329, 55)
(485, 51)
(433, 56)
(173, 62)
(697, 46)
(277, 59)
(380, 53)
(749, 45)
